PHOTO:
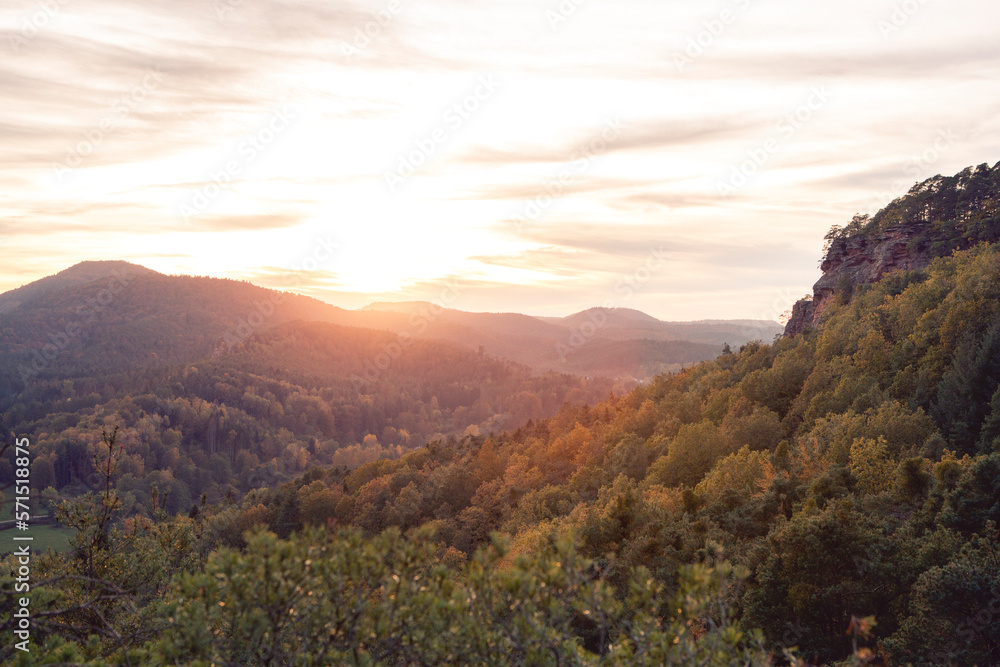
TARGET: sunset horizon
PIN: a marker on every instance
(539, 153)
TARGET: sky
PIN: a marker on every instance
(543, 156)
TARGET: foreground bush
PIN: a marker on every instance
(320, 599)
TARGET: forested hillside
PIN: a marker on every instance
(854, 471)
(283, 401)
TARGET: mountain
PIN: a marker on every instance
(99, 317)
(506, 324)
(117, 315)
(77, 275)
(618, 342)
(937, 217)
(626, 323)
(611, 317)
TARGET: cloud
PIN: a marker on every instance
(535, 188)
(666, 200)
(226, 65)
(927, 61)
(661, 134)
(56, 219)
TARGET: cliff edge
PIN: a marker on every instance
(934, 219)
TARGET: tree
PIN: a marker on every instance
(871, 465)
(815, 573)
(690, 455)
(106, 594)
(954, 610)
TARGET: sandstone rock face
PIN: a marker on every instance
(802, 317)
(858, 260)
(936, 217)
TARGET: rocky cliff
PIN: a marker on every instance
(935, 218)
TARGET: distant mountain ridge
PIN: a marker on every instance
(75, 276)
(584, 343)
(615, 316)
(103, 317)
(118, 315)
